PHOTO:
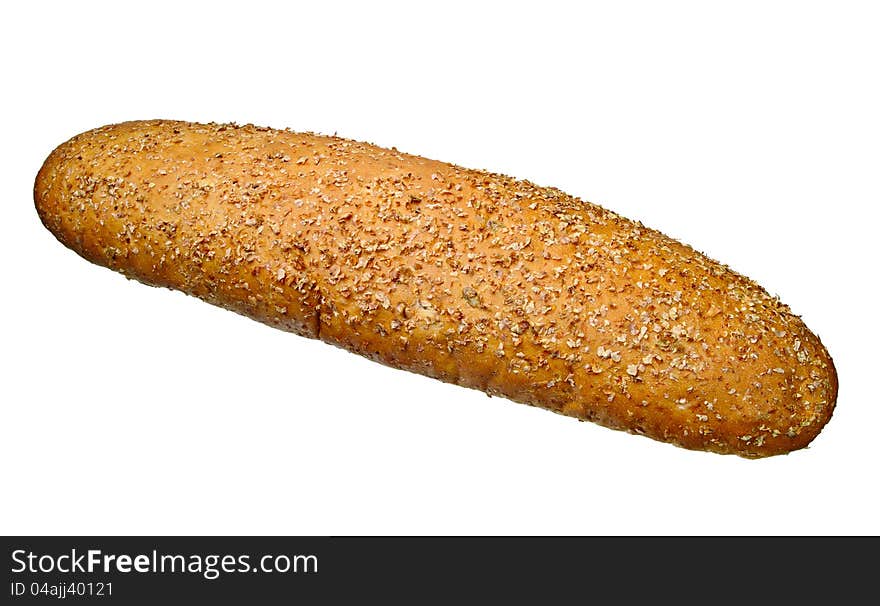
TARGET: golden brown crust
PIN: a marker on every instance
(470, 277)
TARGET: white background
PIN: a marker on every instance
(750, 130)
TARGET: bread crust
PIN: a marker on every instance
(470, 277)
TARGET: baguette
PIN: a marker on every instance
(470, 277)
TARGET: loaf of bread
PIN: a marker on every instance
(467, 276)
